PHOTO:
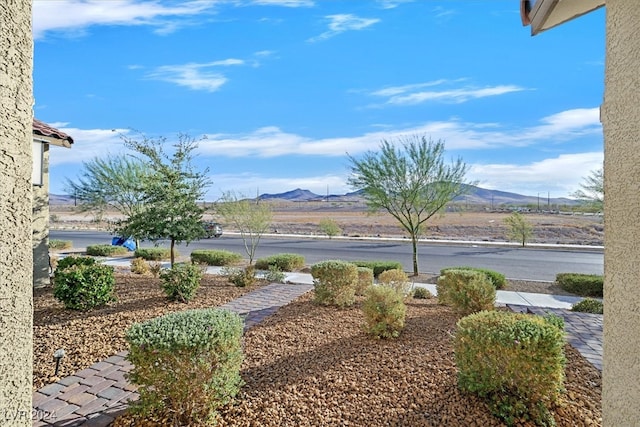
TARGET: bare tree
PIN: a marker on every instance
(592, 189)
(251, 219)
(412, 183)
(520, 229)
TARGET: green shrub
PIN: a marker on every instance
(218, 257)
(242, 277)
(70, 261)
(466, 291)
(285, 262)
(106, 250)
(365, 279)
(397, 280)
(186, 365)
(589, 305)
(335, 282)
(140, 266)
(84, 286)
(586, 285)
(329, 227)
(379, 266)
(497, 279)
(154, 254)
(56, 244)
(274, 275)
(181, 282)
(384, 312)
(421, 293)
(516, 361)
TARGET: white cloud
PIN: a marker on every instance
(413, 94)
(441, 12)
(88, 144)
(195, 76)
(77, 15)
(558, 176)
(458, 135)
(391, 4)
(284, 3)
(344, 22)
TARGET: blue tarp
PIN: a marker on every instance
(128, 242)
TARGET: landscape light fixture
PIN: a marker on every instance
(57, 356)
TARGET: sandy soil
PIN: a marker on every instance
(304, 217)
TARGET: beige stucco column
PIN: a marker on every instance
(41, 226)
(620, 116)
(16, 302)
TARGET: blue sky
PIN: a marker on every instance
(284, 89)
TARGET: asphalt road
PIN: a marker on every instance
(515, 263)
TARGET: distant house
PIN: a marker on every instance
(43, 136)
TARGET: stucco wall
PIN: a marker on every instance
(621, 123)
(41, 226)
(16, 303)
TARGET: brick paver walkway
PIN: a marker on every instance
(95, 396)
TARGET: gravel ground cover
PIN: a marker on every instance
(309, 365)
(314, 366)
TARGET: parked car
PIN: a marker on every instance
(212, 229)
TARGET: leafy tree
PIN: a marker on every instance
(108, 183)
(171, 192)
(329, 227)
(412, 183)
(251, 219)
(520, 229)
(592, 189)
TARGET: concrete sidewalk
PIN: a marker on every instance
(503, 298)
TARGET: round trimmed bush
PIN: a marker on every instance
(84, 286)
(335, 282)
(384, 312)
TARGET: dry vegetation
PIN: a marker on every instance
(353, 219)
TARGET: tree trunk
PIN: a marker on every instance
(414, 244)
(173, 256)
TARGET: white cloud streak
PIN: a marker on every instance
(413, 94)
(195, 76)
(284, 3)
(77, 15)
(272, 141)
(343, 22)
(392, 4)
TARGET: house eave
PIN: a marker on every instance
(547, 14)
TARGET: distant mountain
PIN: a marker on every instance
(475, 195)
(60, 199)
(297, 195)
